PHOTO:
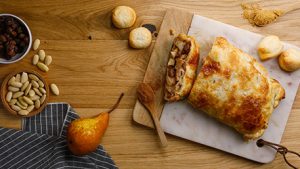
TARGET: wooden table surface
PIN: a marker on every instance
(92, 73)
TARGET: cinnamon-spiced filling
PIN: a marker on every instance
(177, 66)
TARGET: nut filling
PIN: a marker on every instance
(177, 66)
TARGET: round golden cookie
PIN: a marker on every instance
(123, 17)
(140, 38)
(289, 60)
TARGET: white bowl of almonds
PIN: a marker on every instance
(24, 93)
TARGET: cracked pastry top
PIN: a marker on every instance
(235, 89)
(181, 68)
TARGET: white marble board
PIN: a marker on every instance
(182, 120)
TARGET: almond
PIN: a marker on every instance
(42, 55)
(18, 78)
(48, 60)
(12, 79)
(42, 67)
(16, 84)
(9, 96)
(35, 59)
(13, 89)
(28, 100)
(30, 108)
(25, 85)
(36, 44)
(18, 94)
(54, 89)
(23, 112)
(33, 77)
(24, 77)
(37, 104)
(15, 107)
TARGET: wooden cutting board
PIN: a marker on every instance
(182, 120)
(178, 21)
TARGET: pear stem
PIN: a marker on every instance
(116, 104)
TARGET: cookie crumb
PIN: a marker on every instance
(258, 16)
(172, 32)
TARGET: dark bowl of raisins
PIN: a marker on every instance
(15, 38)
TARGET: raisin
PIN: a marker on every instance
(13, 37)
(20, 30)
(12, 42)
(3, 38)
(22, 44)
(11, 52)
(21, 35)
(9, 30)
(16, 49)
(186, 48)
(14, 33)
(177, 55)
(26, 40)
(14, 26)
(171, 72)
(9, 21)
(18, 41)
(184, 66)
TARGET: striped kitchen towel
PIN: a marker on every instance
(42, 143)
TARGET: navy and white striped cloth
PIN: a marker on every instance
(42, 143)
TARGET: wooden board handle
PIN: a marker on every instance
(160, 132)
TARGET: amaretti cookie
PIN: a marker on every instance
(123, 17)
(140, 38)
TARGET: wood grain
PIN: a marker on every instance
(64, 27)
(179, 21)
(96, 71)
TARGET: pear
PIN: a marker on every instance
(84, 134)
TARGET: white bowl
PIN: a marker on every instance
(21, 55)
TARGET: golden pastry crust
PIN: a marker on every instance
(140, 38)
(235, 89)
(123, 17)
(181, 68)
